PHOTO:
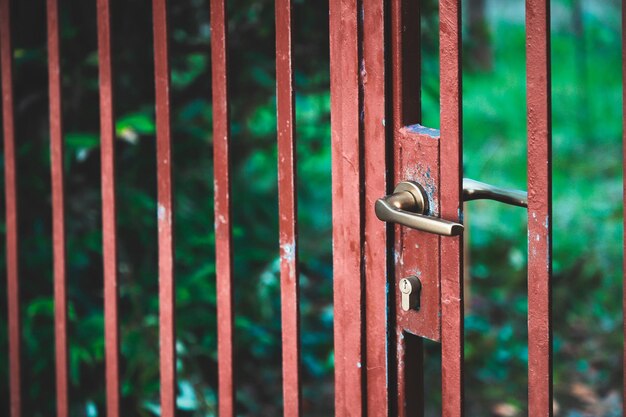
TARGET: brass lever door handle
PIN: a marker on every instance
(407, 205)
(476, 190)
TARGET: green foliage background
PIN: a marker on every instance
(586, 54)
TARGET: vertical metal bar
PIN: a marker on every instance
(347, 209)
(109, 217)
(58, 208)
(165, 213)
(287, 207)
(539, 208)
(451, 166)
(406, 109)
(411, 396)
(223, 227)
(376, 180)
(10, 190)
(406, 63)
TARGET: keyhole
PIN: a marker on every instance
(410, 290)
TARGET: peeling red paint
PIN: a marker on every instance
(11, 219)
(417, 159)
(167, 332)
(451, 171)
(109, 217)
(375, 136)
(223, 226)
(539, 208)
(288, 213)
(58, 209)
(346, 102)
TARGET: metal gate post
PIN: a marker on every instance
(360, 256)
(376, 181)
(346, 101)
(538, 98)
(10, 197)
(451, 166)
(431, 158)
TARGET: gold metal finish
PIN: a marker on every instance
(407, 206)
(476, 190)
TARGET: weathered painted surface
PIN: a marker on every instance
(10, 199)
(417, 253)
(376, 251)
(165, 215)
(109, 207)
(287, 212)
(58, 209)
(348, 291)
(223, 226)
(451, 168)
(410, 356)
(433, 159)
(406, 111)
(539, 208)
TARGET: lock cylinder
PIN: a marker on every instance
(410, 288)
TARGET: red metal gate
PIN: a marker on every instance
(377, 143)
(432, 159)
